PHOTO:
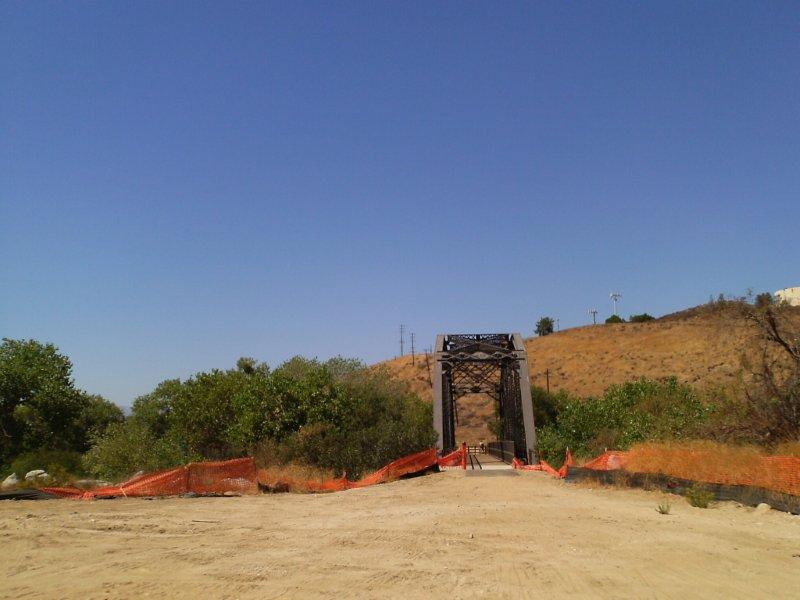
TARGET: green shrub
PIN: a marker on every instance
(552, 443)
(614, 319)
(626, 414)
(372, 421)
(125, 448)
(60, 464)
(547, 405)
(699, 495)
(642, 318)
(337, 415)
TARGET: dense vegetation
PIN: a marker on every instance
(638, 411)
(337, 415)
(342, 416)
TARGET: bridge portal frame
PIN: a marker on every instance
(492, 363)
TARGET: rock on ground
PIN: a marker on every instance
(35, 474)
(10, 482)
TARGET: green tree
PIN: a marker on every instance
(614, 319)
(545, 326)
(40, 408)
(95, 415)
(38, 401)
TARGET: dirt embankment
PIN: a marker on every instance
(440, 536)
(702, 346)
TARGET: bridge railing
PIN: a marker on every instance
(502, 449)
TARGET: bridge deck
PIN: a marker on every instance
(486, 462)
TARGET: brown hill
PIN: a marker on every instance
(703, 346)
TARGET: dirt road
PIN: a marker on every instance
(441, 536)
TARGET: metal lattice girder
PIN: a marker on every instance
(490, 363)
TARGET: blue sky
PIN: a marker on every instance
(185, 183)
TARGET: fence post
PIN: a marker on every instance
(464, 455)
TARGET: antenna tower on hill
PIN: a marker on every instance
(615, 296)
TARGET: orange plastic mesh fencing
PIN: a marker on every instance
(64, 492)
(710, 464)
(718, 464)
(413, 463)
(225, 476)
(454, 459)
(545, 466)
(238, 476)
(521, 466)
(607, 461)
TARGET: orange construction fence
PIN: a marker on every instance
(544, 466)
(241, 476)
(776, 473)
(219, 477)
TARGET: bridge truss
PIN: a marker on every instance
(484, 363)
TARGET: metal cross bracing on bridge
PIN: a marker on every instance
(487, 363)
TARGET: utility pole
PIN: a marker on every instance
(413, 356)
(593, 312)
(402, 340)
(615, 296)
(558, 325)
(428, 352)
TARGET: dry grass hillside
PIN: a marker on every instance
(703, 346)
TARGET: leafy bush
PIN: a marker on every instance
(625, 414)
(547, 405)
(642, 318)
(60, 463)
(699, 495)
(614, 319)
(552, 443)
(373, 421)
(125, 448)
(337, 415)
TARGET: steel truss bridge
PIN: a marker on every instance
(484, 363)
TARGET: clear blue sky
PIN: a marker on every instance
(185, 183)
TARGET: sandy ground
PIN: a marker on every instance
(442, 536)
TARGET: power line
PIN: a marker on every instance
(593, 312)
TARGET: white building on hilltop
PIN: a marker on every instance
(789, 295)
